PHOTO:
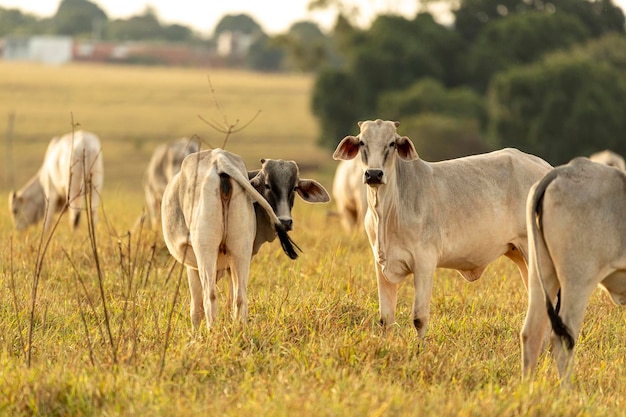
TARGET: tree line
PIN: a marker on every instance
(547, 77)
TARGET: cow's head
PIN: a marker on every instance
(378, 143)
(278, 181)
(25, 211)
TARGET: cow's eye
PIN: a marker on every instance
(361, 143)
(392, 145)
(268, 187)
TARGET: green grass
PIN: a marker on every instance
(311, 346)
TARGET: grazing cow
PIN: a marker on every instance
(577, 240)
(462, 213)
(609, 158)
(350, 194)
(164, 164)
(214, 218)
(72, 164)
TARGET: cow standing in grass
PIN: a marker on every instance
(216, 218)
(72, 168)
(577, 241)
(350, 194)
(461, 214)
(164, 164)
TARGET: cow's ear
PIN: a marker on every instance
(12, 197)
(347, 149)
(312, 191)
(405, 149)
(257, 181)
(253, 173)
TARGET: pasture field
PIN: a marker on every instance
(98, 324)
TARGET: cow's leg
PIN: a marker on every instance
(78, 183)
(387, 298)
(575, 293)
(423, 283)
(536, 322)
(196, 310)
(52, 206)
(240, 241)
(207, 269)
(239, 273)
(519, 256)
(94, 189)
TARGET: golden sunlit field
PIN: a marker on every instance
(98, 324)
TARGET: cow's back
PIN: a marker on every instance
(471, 208)
(70, 156)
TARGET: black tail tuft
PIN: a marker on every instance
(559, 328)
(289, 246)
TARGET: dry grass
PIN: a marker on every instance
(311, 346)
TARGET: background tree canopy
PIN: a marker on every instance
(547, 77)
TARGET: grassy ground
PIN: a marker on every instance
(109, 330)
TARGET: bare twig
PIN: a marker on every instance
(225, 126)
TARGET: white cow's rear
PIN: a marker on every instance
(350, 194)
(210, 223)
(72, 167)
(577, 240)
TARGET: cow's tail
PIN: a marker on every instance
(535, 209)
(288, 245)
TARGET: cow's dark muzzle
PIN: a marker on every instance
(287, 222)
(374, 176)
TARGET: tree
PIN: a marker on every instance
(78, 17)
(140, 27)
(14, 22)
(335, 103)
(564, 106)
(391, 55)
(518, 40)
(428, 96)
(237, 23)
(599, 17)
(306, 47)
(264, 55)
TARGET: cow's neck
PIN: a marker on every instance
(383, 203)
(33, 189)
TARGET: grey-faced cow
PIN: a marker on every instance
(72, 166)
(164, 164)
(577, 240)
(461, 214)
(350, 194)
(214, 218)
(609, 158)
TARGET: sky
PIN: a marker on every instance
(274, 16)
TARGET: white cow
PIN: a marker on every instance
(72, 164)
(609, 158)
(214, 219)
(164, 164)
(577, 240)
(461, 214)
(350, 194)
